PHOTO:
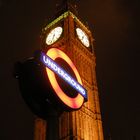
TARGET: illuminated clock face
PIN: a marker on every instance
(54, 35)
(82, 36)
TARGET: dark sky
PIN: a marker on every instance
(116, 28)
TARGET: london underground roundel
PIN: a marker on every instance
(53, 69)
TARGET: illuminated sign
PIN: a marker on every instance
(53, 68)
(62, 73)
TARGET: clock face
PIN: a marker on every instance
(82, 36)
(54, 35)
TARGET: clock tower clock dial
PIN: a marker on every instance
(54, 35)
(83, 37)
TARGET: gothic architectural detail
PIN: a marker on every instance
(86, 123)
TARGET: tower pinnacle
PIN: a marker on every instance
(67, 5)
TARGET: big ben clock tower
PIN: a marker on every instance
(70, 35)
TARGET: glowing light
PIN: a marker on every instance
(52, 68)
(82, 36)
(62, 73)
(54, 35)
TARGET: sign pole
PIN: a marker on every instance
(52, 132)
(47, 129)
(40, 129)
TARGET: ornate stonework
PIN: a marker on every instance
(84, 124)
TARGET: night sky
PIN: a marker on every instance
(115, 25)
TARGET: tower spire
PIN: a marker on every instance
(67, 5)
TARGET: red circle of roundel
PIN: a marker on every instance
(75, 102)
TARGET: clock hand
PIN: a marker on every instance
(53, 37)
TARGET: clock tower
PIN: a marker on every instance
(69, 34)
